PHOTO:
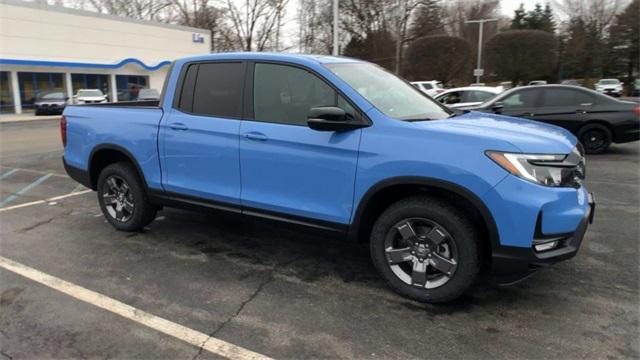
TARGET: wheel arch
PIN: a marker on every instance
(385, 192)
(105, 154)
(604, 123)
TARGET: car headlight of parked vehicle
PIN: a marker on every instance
(544, 169)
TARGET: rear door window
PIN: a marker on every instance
(218, 90)
(565, 97)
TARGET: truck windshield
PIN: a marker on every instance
(388, 93)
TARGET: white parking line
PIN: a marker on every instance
(44, 201)
(193, 337)
(25, 189)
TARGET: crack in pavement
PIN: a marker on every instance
(44, 222)
(269, 279)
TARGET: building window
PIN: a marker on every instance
(129, 85)
(91, 81)
(6, 96)
(33, 85)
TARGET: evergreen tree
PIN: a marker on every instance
(518, 21)
(537, 19)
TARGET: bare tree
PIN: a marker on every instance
(151, 10)
(402, 11)
(600, 13)
(203, 14)
(255, 23)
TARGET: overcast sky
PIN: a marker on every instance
(509, 6)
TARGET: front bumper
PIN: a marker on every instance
(49, 108)
(616, 92)
(511, 263)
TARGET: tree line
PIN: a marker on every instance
(420, 39)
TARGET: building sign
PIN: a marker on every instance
(197, 38)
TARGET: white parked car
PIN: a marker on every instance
(431, 88)
(468, 96)
(89, 96)
(611, 87)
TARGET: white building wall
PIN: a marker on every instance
(40, 32)
(31, 31)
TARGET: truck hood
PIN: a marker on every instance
(525, 135)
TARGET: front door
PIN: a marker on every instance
(287, 167)
(523, 103)
(199, 140)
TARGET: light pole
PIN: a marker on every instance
(335, 28)
(478, 72)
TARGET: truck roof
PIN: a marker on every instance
(291, 57)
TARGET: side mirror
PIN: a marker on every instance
(330, 118)
(497, 106)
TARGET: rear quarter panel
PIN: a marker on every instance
(133, 129)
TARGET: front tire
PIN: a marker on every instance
(122, 198)
(425, 249)
(595, 138)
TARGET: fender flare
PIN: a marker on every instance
(125, 152)
(486, 215)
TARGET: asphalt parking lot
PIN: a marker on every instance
(284, 293)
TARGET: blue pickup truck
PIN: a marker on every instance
(344, 146)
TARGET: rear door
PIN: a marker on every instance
(564, 107)
(199, 135)
(287, 167)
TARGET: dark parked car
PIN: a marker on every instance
(50, 103)
(597, 120)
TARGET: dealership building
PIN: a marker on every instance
(46, 49)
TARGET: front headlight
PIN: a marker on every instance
(544, 169)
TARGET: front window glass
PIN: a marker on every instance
(609, 82)
(521, 99)
(388, 93)
(286, 94)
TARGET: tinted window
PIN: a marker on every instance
(477, 96)
(427, 86)
(583, 98)
(188, 84)
(526, 98)
(218, 90)
(565, 97)
(285, 94)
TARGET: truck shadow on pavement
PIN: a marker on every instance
(300, 256)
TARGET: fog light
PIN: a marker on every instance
(546, 246)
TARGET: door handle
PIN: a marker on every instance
(256, 136)
(178, 126)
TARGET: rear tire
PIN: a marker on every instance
(444, 239)
(122, 198)
(596, 138)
